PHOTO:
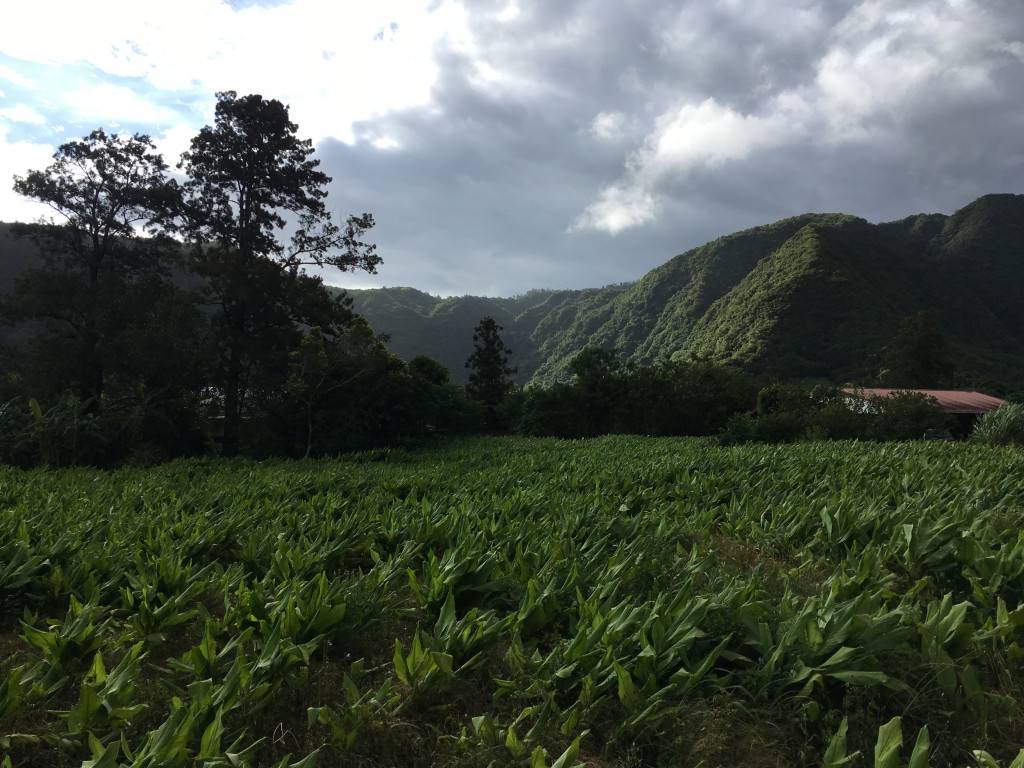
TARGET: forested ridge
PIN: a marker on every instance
(813, 296)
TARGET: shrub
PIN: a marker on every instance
(835, 420)
(783, 427)
(738, 429)
(780, 398)
(556, 411)
(904, 416)
(429, 370)
(611, 397)
(17, 445)
(699, 398)
(1004, 426)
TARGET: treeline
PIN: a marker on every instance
(609, 395)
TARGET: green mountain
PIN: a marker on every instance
(442, 328)
(814, 296)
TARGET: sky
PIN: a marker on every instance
(519, 144)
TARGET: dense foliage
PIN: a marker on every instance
(620, 602)
(99, 289)
(1004, 426)
(815, 296)
(246, 172)
(917, 356)
(611, 396)
(127, 348)
(788, 412)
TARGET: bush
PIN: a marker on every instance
(611, 397)
(698, 398)
(784, 427)
(508, 413)
(738, 429)
(17, 444)
(783, 398)
(1004, 426)
(835, 420)
(429, 370)
(905, 416)
(556, 411)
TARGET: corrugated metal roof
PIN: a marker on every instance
(950, 400)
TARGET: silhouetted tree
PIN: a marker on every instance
(105, 188)
(489, 381)
(918, 355)
(429, 370)
(246, 173)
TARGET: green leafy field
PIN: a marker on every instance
(615, 602)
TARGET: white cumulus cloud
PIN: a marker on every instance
(16, 158)
(333, 62)
(22, 113)
(108, 103)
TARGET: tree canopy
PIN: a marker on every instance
(246, 173)
(105, 189)
(918, 355)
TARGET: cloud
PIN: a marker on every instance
(608, 126)
(386, 142)
(886, 68)
(16, 158)
(574, 143)
(8, 74)
(108, 103)
(509, 13)
(618, 208)
(1014, 48)
(335, 63)
(173, 142)
(22, 113)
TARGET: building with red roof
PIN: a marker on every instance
(964, 408)
(949, 400)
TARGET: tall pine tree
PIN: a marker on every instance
(250, 178)
(489, 380)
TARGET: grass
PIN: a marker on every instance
(613, 602)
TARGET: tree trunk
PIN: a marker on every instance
(91, 371)
(232, 405)
(91, 385)
(309, 430)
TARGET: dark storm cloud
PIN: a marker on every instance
(717, 116)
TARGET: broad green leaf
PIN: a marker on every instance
(889, 744)
(919, 757)
(836, 754)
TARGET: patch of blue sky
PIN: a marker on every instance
(239, 5)
(74, 99)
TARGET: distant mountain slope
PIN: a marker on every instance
(817, 295)
(418, 323)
